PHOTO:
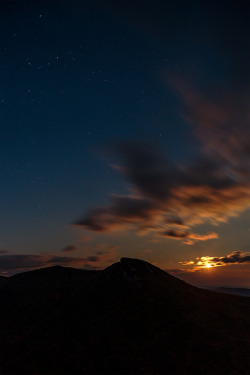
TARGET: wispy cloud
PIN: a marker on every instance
(69, 248)
(188, 237)
(169, 199)
(220, 121)
(23, 262)
(164, 196)
(234, 257)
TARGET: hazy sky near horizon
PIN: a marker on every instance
(125, 131)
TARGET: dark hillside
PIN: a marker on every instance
(131, 318)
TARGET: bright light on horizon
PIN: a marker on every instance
(208, 265)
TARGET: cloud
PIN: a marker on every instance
(220, 121)
(24, 262)
(175, 234)
(4, 251)
(15, 263)
(189, 237)
(106, 256)
(84, 239)
(164, 197)
(233, 275)
(92, 258)
(174, 222)
(113, 247)
(236, 257)
(69, 248)
(169, 199)
(122, 211)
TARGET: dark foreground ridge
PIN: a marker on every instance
(131, 318)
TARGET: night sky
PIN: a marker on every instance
(125, 131)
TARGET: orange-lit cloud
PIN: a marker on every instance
(169, 199)
(236, 257)
(189, 237)
(234, 275)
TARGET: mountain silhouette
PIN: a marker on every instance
(130, 318)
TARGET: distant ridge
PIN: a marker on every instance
(237, 291)
(130, 318)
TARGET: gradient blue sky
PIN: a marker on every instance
(107, 104)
